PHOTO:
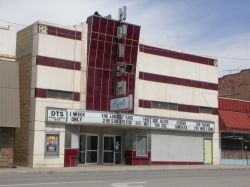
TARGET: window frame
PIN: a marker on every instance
(206, 110)
(60, 97)
(164, 105)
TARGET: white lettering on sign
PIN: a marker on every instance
(57, 115)
(83, 117)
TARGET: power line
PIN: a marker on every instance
(233, 58)
(5, 21)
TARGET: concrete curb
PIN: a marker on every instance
(89, 169)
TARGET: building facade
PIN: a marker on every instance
(9, 95)
(234, 122)
(93, 94)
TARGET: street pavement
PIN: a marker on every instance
(160, 176)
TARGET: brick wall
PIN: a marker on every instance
(6, 147)
(24, 54)
(235, 86)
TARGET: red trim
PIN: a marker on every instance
(176, 55)
(58, 63)
(175, 163)
(132, 159)
(102, 60)
(76, 96)
(188, 108)
(234, 105)
(65, 33)
(144, 103)
(71, 157)
(42, 93)
(177, 81)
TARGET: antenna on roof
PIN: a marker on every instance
(122, 13)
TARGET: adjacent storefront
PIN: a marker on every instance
(234, 131)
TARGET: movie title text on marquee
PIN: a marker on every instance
(82, 117)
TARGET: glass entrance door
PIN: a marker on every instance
(112, 149)
(88, 148)
(118, 150)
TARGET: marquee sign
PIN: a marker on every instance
(83, 117)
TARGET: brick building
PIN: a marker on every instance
(93, 94)
(235, 86)
(9, 95)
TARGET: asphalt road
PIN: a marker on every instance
(172, 178)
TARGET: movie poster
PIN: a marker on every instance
(52, 144)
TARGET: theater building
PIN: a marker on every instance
(94, 94)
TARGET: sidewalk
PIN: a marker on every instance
(103, 168)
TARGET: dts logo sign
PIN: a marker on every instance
(55, 115)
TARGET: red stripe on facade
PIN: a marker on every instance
(144, 104)
(58, 63)
(188, 108)
(42, 93)
(177, 81)
(76, 96)
(180, 107)
(176, 55)
(65, 33)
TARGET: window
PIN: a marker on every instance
(129, 68)
(246, 142)
(207, 110)
(235, 145)
(141, 145)
(231, 141)
(60, 94)
(163, 105)
(52, 144)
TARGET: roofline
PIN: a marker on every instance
(178, 51)
(113, 20)
(234, 99)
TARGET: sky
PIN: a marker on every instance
(214, 28)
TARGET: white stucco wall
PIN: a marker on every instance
(172, 93)
(57, 79)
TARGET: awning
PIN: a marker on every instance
(230, 120)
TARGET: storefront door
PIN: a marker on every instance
(88, 149)
(207, 151)
(111, 149)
